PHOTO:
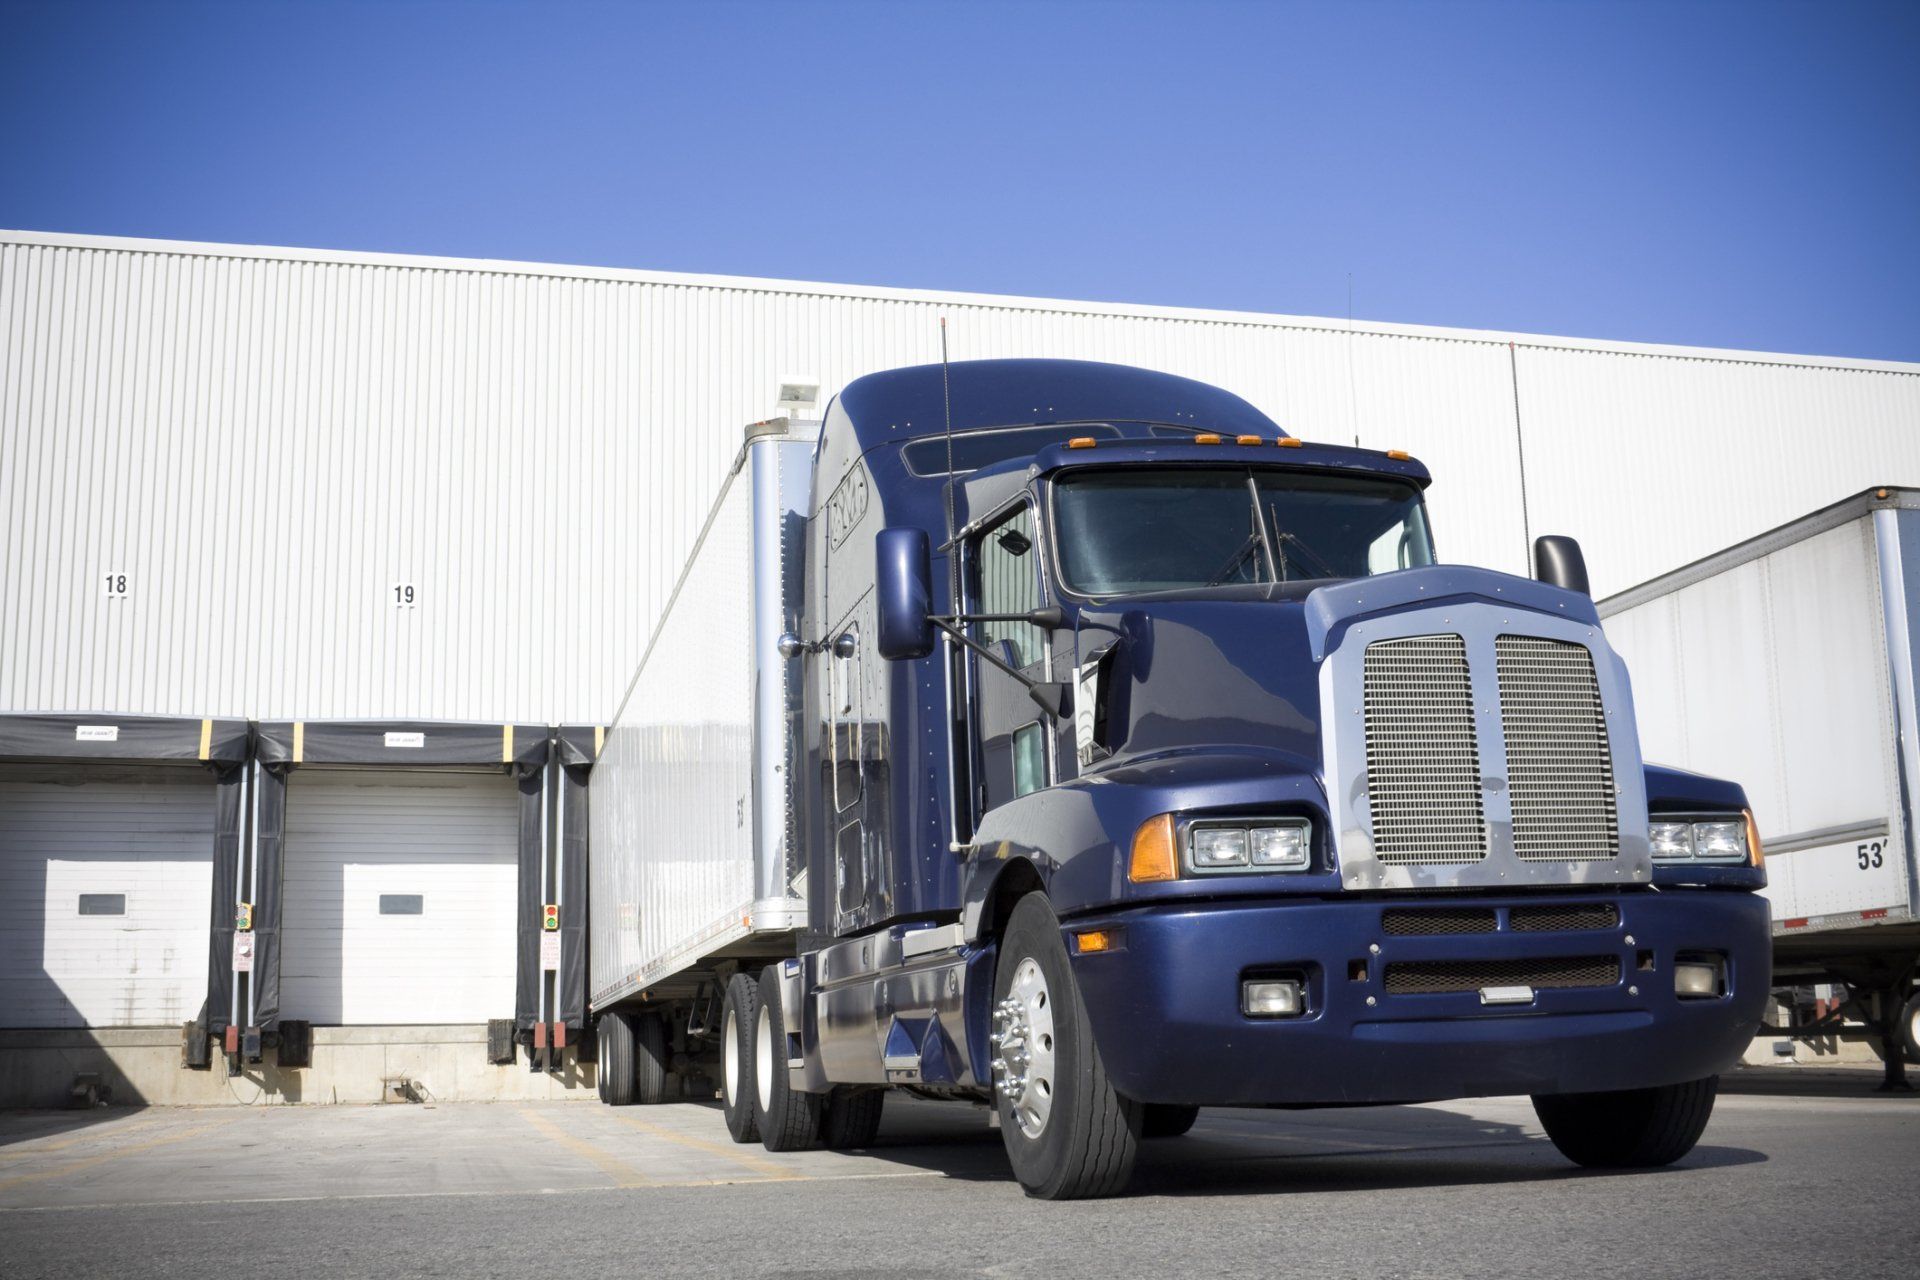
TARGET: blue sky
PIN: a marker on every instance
(1730, 174)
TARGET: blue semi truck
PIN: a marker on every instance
(1068, 738)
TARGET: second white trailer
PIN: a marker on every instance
(1787, 662)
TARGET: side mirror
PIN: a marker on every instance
(903, 593)
(1558, 562)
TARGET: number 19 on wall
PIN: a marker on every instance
(404, 596)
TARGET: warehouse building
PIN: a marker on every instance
(318, 570)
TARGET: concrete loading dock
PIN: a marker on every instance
(281, 907)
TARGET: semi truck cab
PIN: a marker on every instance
(1152, 760)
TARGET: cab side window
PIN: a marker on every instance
(1010, 583)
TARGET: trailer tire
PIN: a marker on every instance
(789, 1120)
(737, 1012)
(850, 1117)
(650, 1060)
(1167, 1120)
(615, 1031)
(1083, 1143)
(1910, 1028)
(1631, 1129)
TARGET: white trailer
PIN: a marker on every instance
(696, 867)
(1787, 662)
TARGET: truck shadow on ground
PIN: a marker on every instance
(1235, 1152)
(19, 1125)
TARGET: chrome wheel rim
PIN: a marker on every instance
(763, 1058)
(730, 1056)
(1023, 1044)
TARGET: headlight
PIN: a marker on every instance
(1704, 840)
(1283, 844)
(1219, 847)
(1672, 841)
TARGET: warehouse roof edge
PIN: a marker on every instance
(1257, 319)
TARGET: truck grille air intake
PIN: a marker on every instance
(1430, 977)
(1423, 762)
(1424, 757)
(1559, 769)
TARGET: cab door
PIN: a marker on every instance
(1011, 747)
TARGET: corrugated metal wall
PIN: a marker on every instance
(268, 442)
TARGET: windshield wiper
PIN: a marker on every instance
(1284, 537)
(1247, 548)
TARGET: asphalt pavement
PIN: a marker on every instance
(1819, 1176)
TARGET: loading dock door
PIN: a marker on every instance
(105, 881)
(398, 897)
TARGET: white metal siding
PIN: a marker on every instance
(357, 834)
(145, 834)
(267, 440)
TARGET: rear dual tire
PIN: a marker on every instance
(738, 1013)
(788, 1119)
(850, 1117)
(1631, 1129)
(633, 1059)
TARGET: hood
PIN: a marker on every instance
(1237, 668)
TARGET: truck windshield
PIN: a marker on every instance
(1127, 532)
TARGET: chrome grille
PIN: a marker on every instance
(1423, 761)
(1559, 767)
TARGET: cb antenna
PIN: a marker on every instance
(953, 552)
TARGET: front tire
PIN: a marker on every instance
(737, 1014)
(789, 1120)
(1167, 1120)
(1068, 1134)
(1631, 1129)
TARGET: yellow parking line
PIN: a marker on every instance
(90, 1133)
(624, 1174)
(728, 1151)
(117, 1153)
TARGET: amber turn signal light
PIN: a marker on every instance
(1206, 437)
(1089, 941)
(1754, 853)
(1081, 442)
(1288, 442)
(1153, 852)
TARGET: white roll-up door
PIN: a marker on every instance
(399, 897)
(106, 876)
